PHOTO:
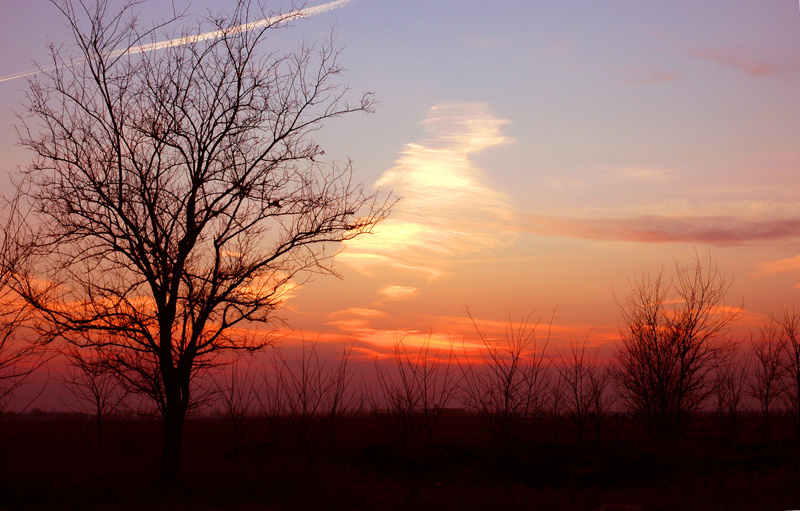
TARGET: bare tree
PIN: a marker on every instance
(415, 390)
(340, 399)
(730, 384)
(557, 397)
(178, 193)
(19, 357)
(504, 383)
(674, 330)
(20, 352)
(91, 380)
(237, 392)
(307, 391)
(584, 382)
(788, 327)
(767, 375)
(306, 388)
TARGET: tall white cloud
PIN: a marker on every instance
(446, 207)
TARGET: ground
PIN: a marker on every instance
(54, 462)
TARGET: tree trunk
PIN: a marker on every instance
(174, 418)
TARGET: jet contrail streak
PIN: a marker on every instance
(180, 41)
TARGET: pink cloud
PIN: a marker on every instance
(781, 266)
(716, 230)
(751, 67)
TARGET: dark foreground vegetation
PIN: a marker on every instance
(54, 463)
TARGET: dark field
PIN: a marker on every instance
(55, 463)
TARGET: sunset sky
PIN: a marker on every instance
(544, 153)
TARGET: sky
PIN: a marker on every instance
(545, 153)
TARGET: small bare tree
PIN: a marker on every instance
(600, 402)
(674, 331)
(305, 389)
(178, 194)
(556, 401)
(730, 385)
(504, 382)
(584, 381)
(339, 395)
(91, 380)
(236, 390)
(308, 391)
(766, 378)
(788, 327)
(415, 390)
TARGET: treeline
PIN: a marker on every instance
(662, 375)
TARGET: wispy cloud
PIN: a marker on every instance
(446, 208)
(394, 292)
(751, 67)
(781, 265)
(206, 36)
(643, 174)
(717, 230)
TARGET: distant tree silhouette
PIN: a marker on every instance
(674, 330)
(766, 378)
(236, 391)
(414, 390)
(556, 401)
(339, 394)
(178, 194)
(90, 378)
(312, 390)
(505, 381)
(787, 326)
(730, 386)
(584, 381)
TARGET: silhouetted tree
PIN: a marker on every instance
(504, 381)
(236, 390)
(730, 384)
(674, 331)
(306, 388)
(93, 384)
(20, 352)
(178, 193)
(415, 390)
(765, 383)
(788, 327)
(556, 401)
(583, 383)
(307, 391)
(339, 396)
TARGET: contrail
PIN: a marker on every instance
(180, 41)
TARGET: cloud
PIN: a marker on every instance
(360, 311)
(781, 266)
(246, 27)
(717, 230)
(181, 41)
(750, 67)
(446, 207)
(643, 174)
(394, 292)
